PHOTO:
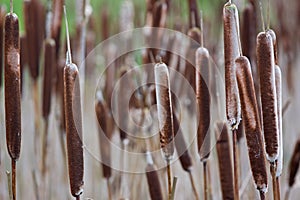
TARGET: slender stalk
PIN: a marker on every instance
(78, 198)
(205, 180)
(235, 163)
(173, 188)
(193, 185)
(45, 147)
(278, 188)
(36, 115)
(273, 174)
(13, 179)
(169, 179)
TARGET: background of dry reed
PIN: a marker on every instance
(285, 21)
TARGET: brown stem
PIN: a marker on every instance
(262, 195)
(36, 116)
(273, 174)
(278, 187)
(236, 164)
(13, 178)
(205, 180)
(193, 185)
(169, 179)
(108, 189)
(45, 148)
(78, 197)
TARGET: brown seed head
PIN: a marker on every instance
(251, 122)
(231, 52)
(164, 109)
(203, 102)
(73, 128)
(12, 85)
(265, 63)
(224, 157)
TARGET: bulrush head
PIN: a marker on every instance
(153, 180)
(224, 158)
(231, 52)
(12, 85)
(73, 123)
(203, 102)
(164, 109)
(251, 122)
(266, 66)
(101, 110)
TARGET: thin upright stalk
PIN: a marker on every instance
(273, 174)
(108, 189)
(193, 185)
(235, 163)
(13, 179)
(278, 188)
(45, 147)
(205, 180)
(36, 116)
(169, 180)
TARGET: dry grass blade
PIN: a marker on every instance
(231, 52)
(265, 63)
(224, 158)
(12, 91)
(73, 123)
(252, 125)
(203, 102)
(2, 19)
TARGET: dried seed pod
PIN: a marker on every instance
(180, 145)
(265, 63)
(49, 64)
(153, 180)
(12, 85)
(224, 158)
(294, 164)
(164, 109)
(57, 9)
(73, 128)
(104, 134)
(231, 52)
(251, 122)
(279, 111)
(2, 18)
(73, 121)
(194, 19)
(274, 41)
(203, 102)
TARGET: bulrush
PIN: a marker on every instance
(224, 158)
(231, 52)
(265, 63)
(165, 116)
(105, 134)
(153, 179)
(252, 125)
(73, 123)
(12, 91)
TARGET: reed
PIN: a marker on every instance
(165, 116)
(12, 91)
(265, 63)
(73, 123)
(252, 125)
(153, 180)
(105, 135)
(49, 64)
(224, 158)
(2, 19)
(194, 17)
